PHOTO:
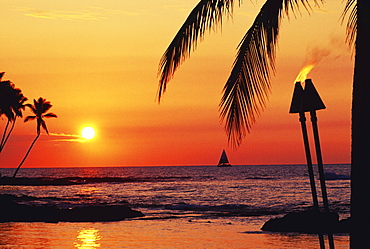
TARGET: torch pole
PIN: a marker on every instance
(296, 107)
(319, 160)
(321, 170)
(302, 120)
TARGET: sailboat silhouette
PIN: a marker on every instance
(224, 162)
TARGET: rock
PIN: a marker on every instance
(12, 211)
(98, 213)
(308, 222)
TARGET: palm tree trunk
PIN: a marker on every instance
(360, 170)
(28, 152)
(4, 135)
(7, 135)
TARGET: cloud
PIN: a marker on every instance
(113, 11)
(53, 137)
(61, 137)
(64, 15)
(89, 14)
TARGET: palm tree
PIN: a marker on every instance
(11, 105)
(18, 107)
(246, 90)
(39, 108)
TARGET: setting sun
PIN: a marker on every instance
(88, 132)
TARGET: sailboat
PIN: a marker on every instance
(224, 162)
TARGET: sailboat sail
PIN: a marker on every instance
(224, 161)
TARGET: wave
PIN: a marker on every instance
(240, 210)
(262, 178)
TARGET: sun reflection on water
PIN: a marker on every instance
(88, 238)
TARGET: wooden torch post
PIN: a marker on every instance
(296, 107)
(311, 102)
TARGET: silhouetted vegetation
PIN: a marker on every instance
(12, 105)
(39, 108)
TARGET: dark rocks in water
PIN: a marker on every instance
(50, 181)
(308, 222)
(98, 213)
(11, 211)
(334, 176)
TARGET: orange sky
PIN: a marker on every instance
(96, 61)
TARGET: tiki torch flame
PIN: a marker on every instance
(304, 72)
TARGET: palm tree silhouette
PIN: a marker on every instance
(39, 108)
(247, 88)
(11, 105)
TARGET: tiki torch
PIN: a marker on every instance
(296, 107)
(311, 102)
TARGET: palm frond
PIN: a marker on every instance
(36, 104)
(50, 115)
(39, 107)
(204, 16)
(43, 124)
(351, 28)
(246, 90)
(18, 112)
(46, 106)
(32, 107)
(9, 114)
(28, 118)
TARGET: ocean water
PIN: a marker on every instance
(184, 206)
